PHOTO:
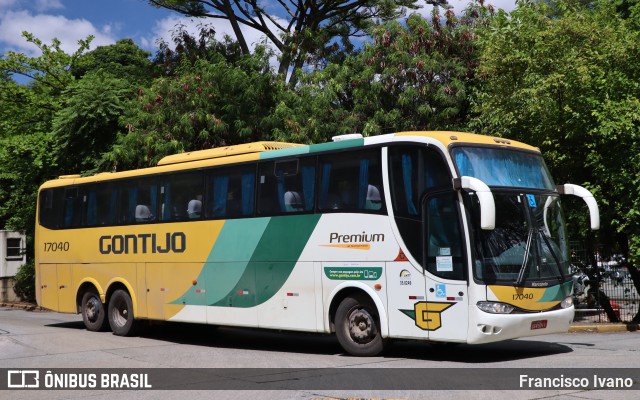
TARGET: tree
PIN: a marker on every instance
(568, 82)
(189, 49)
(38, 100)
(27, 148)
(61, 120)
(87, 124)
(413, 75)
(302, 31)
(206, 104)
(123, 59)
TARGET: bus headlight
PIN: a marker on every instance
(494, 307)
(567, 302)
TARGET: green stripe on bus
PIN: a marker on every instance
(274, 258)
(228, 259)
(556, 293)
(343, 144)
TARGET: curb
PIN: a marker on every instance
(22, 306)
(604, 328)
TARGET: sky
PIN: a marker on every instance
(109, 21)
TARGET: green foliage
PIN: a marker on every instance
(565, 78)
(24, 163)
(414, 75)
(124, 60)
(189, 49)
(87, 124)
(58, 121)
(208, 103)
(25, 282)
(31, 107)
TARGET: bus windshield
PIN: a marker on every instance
(528, 245)
(503, 167)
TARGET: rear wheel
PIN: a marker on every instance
(94, 314)
(358, 327)
(121, 318)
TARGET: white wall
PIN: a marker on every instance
(9, 265)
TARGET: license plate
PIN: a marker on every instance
(539, 324)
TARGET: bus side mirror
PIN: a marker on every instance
(588, 198)
(485, 197)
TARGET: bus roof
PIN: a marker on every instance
(267, 150)
(448, 138)
(226, 151)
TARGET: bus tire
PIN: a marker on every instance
(121, 318)
(358, 327)
(94, 313)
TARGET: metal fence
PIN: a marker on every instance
(594, 285)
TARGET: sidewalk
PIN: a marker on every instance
(599, 327)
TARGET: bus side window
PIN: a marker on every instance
(286, 187)
(351, 182)
(72, 208)
(177, 192)
(231, 192)
(413, 172)
(51, 200)
(97, 205)
(135, 201)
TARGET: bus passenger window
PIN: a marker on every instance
(287, 187)
(177, 192)
(413, 172)
(231, 192)
(51, 201)
(97, 205)
(137, 201)
(351, 182)
(72, 208)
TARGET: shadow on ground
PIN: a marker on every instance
(311, 343)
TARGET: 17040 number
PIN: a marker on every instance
(56, 246)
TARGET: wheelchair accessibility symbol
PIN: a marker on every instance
(441, 290)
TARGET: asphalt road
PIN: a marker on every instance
(47, 340)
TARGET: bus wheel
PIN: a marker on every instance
(121, 318)
(357, 327)
(93, 312)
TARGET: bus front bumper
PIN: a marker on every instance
(486, 328)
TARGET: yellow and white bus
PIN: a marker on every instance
(438, 236)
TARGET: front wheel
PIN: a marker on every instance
(358, 327)
(121, 318)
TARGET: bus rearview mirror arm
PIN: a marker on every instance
(588, 198)
(485, 197)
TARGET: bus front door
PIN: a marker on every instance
(445, 312)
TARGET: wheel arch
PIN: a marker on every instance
(85, 286)
(121, 284)
(347, 289)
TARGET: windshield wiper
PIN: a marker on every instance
(561, 277)
(527, 249)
